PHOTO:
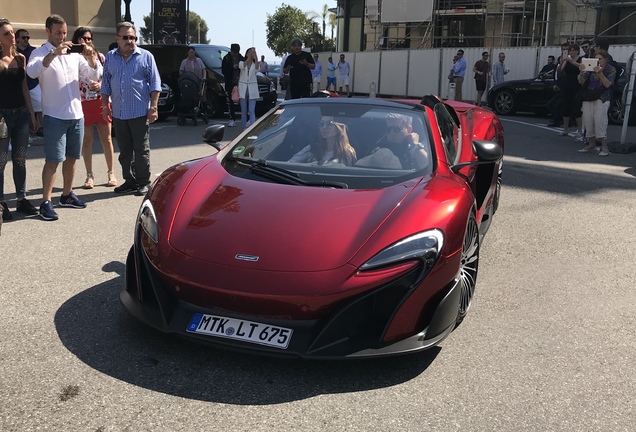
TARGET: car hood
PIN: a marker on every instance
(265, 226)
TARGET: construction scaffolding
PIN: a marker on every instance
(474, 23)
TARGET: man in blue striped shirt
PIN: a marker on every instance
(132, 81)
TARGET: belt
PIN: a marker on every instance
(15, 110)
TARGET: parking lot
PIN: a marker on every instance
(548, 344)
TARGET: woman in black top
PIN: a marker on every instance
(16, 109)
(569, 66)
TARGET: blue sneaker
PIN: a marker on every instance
(47, 212)
(71, 200)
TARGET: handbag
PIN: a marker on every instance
(590, 95)
(586, 94)
(235, 94)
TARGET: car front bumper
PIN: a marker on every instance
(354, 329)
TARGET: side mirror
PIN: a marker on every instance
(213, 134)
(486, 152)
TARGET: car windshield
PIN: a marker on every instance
(212, 55)
(335, 144)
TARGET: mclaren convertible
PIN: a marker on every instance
(330, 228)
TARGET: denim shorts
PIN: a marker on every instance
(62, 138)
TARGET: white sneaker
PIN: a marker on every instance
(232, 123)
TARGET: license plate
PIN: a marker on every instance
(161, 102)
(246, 331)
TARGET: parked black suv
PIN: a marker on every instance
(169, 58)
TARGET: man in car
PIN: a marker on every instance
(403, 142)
(549, 68)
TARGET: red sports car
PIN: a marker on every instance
(331, 228)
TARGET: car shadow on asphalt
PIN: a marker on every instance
(95, 327)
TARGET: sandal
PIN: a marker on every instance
(112, 181)
(89, 183)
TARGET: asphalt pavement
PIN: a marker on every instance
(548, 345)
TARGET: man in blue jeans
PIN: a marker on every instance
(63, 118)
(132, 80)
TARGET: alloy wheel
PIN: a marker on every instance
(504, 103)
(468, 268)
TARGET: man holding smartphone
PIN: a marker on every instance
(63, 118)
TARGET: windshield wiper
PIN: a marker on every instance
(262, 168)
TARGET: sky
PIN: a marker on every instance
(235, 21)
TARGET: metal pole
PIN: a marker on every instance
(503, 17)
(628, 101)
(547, 24)
(127, 16)
(534, 22)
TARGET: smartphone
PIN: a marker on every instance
(77, 49)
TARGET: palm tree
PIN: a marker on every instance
(333, 21)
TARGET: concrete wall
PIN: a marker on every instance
(416, 72)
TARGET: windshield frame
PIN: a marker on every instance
(277, 125)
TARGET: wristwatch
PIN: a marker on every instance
(153, 108)
(52, 51)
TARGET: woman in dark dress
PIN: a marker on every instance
(17, 111)
(569, 66)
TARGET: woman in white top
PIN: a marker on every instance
(248, 86)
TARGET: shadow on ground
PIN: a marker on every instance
(95, 327)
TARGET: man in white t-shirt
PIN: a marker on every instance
(63, 119)
(344, 70)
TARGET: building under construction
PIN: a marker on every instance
(399, 24)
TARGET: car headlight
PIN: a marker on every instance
(425, 246)
(222, 85)
(272, 86)
(148, 221)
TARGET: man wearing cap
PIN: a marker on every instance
(299, 65)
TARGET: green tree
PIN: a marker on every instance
(285, 24)
(197, 29)
(333, 22)
(319, 42)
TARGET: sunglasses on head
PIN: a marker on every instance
(326, 123)
(394, 129)
(126, 37)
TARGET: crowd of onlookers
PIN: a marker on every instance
(64, 90)
(583, 89)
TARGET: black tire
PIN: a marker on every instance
(504, 103)
(468, 268)
(163, 116)
(181, 121)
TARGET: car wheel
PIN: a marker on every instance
(181, 121)
(468, 268)
(504, 103)
(495, 202)
(616, 111)
(163, 116)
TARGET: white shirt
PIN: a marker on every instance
(60, 82)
